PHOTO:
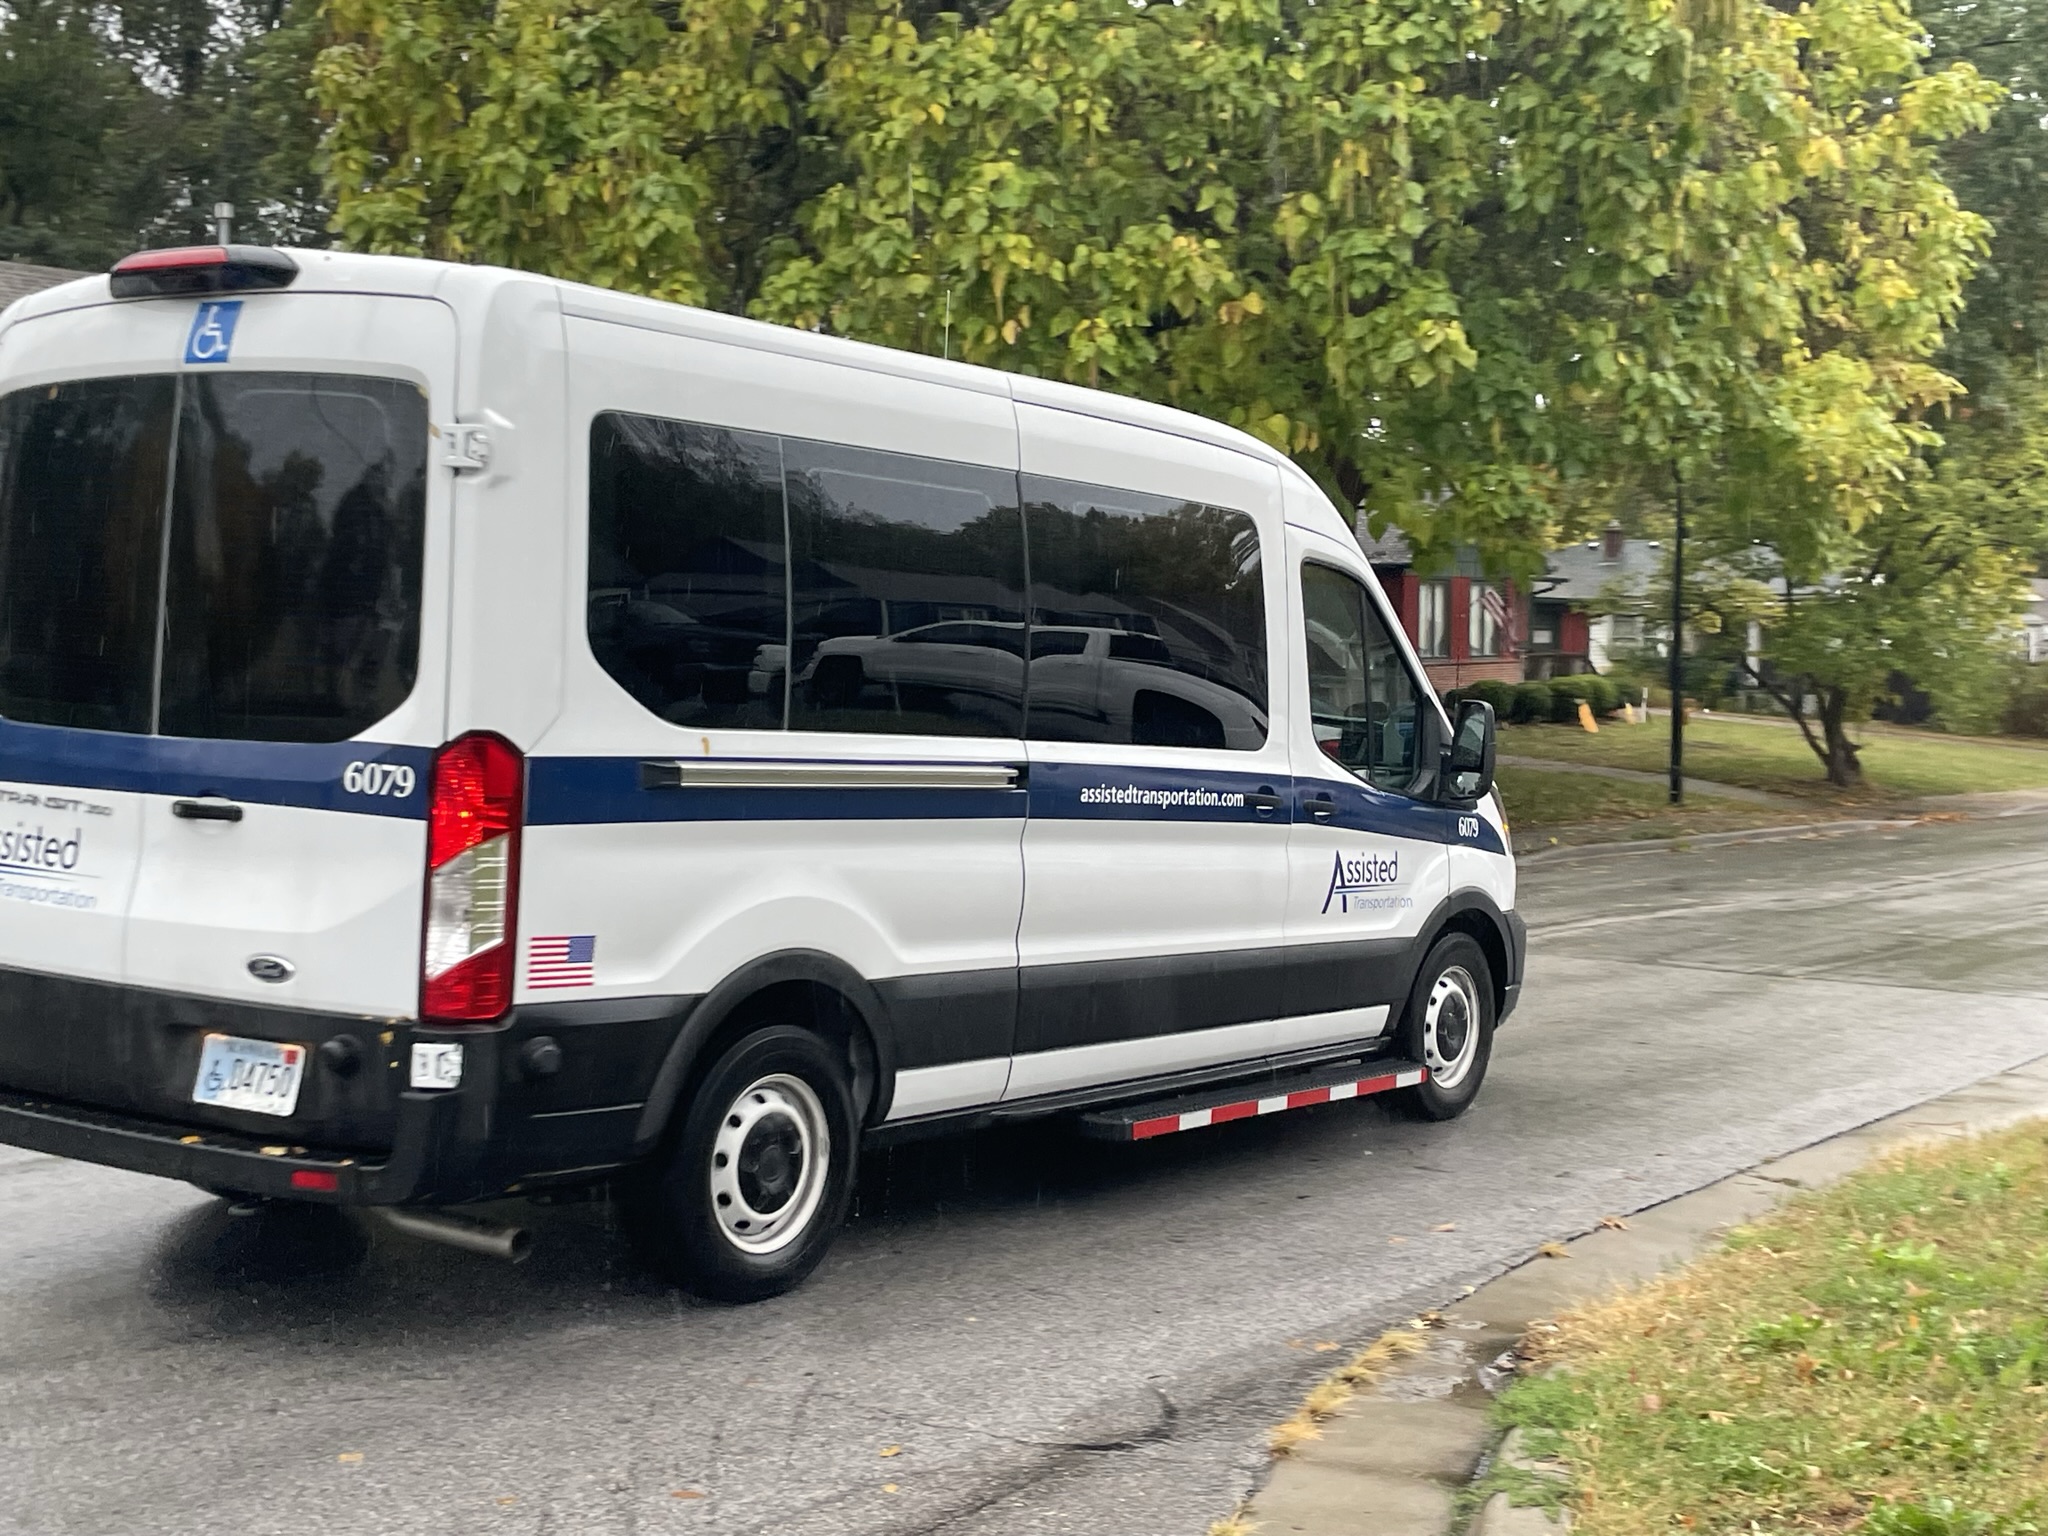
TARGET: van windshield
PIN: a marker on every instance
(218, 555)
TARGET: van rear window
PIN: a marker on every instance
(228, 555)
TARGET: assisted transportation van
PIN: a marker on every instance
(465, 735)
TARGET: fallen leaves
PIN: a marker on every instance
(1445, 1226)
(1652, 1403)
(349, 1458)
(892, 1450)
(1553, 1251)
(686, 1493)
(1613, 1224)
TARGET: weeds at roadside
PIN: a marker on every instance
(1871, 1359)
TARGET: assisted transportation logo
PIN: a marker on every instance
(50, 857)
(1163, 799)
(1364, 882)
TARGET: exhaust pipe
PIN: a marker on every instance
(489, 1238)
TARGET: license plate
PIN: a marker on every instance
(256, 1075)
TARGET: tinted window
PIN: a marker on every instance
(1167, 600)
(1363, 703)
(907, 594)
(298, 528)
(688, 593)
(82, 473)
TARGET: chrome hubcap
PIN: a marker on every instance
(1450, 1027)
(768, 1164)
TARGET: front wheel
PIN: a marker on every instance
(1448, 1027)
(749, 1195)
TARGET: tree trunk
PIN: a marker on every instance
(1845, 771)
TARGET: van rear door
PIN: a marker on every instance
(258, 707)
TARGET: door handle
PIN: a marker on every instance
(1263, 800)
(205, 810)
(1322, 807)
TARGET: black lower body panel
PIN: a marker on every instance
(104, 1073)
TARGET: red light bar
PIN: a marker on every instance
(317, 1179)
(191, 269)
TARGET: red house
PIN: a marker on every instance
(1466, 626)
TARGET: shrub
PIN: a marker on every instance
(1495, 692)
(1606, 694)
(1564, 700)
(1531, 703)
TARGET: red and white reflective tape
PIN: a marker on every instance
(1244, 1109)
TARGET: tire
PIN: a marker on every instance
(751, 1190)
(1448, 1027)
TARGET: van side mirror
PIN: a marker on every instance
(1468, 760)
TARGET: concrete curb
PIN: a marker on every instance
(1392, 1461)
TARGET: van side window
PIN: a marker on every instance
(1363, 702)
(907, 594)
(1148, 620)
(688, 569)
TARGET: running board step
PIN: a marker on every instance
(1241, 1101)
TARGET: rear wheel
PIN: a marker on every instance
(753, 1188)
(1448, 1027)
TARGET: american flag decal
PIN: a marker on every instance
(561, 960)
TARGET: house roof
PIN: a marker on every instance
(1579, 573)
(1389, 548)
(19, 278)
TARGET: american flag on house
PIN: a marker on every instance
(561, 960)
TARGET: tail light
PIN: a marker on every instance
(473, 815)
(200, 269)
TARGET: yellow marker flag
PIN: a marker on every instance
(1586, 717)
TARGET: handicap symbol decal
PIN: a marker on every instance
(213, 331)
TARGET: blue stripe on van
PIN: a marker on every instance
(582, 791)
(577, 791)
(1362, 808)
(306, 774)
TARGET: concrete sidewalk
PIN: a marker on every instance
(1392, 1460)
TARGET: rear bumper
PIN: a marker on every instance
(220, 1160)
(104, 1074)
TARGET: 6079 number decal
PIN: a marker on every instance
(394, 779)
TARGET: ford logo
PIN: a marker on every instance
(271, 968)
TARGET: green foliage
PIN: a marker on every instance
(1530, 704)
(1452, 258)
(1495, 692)
(122, 122)
(1940, 1518)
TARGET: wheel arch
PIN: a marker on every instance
(815, 990)
(1474, 913)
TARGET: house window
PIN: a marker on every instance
(1486, 619)
(1433, 618)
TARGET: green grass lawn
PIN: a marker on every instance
(1871, 1359)
(1546, 807)
(1772, 755)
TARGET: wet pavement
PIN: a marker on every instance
(1043, 1335)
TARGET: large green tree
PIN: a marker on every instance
(1450, 256)
(122, 122)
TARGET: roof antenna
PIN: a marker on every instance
(223, 223)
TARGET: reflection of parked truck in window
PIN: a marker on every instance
(1119, 682)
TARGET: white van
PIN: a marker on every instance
(464, 734)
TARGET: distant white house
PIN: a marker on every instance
(2034, 623)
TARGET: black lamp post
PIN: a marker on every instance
(1676, 671)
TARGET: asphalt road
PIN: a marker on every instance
(1060, 1337)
